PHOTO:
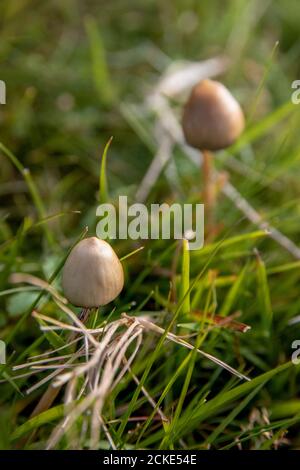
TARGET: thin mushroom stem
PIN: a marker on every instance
(209, 195)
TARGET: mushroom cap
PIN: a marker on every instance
(93, 274)
(212, 118)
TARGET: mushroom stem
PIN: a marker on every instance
(209, 196)
(84, 315)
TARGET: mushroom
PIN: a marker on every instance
(93, 274)
(212, 120)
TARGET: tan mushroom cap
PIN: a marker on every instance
(93, 274)
(212, 118)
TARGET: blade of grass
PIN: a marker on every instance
(132, 253)
(185, 278)
(100, 72)
(44, 418)
(261, 128)
(156, 351)
(215, 405)
(230, 242)
(36, 198)
(191, 364)
(233, 293)
(233, 414)
(103, 193)
(164, 393)
(284, 424)
(192, 418)
(264, 298)
(268, 66)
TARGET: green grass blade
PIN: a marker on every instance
(233, 293)
(101, 76)
(103, 192)
(185, 278)
(245, 237)
(215, 405)
(266, 73)
(36, 198)
(43, 418)
(258, 130)
(233, 414)
(264, 298)
(160, 343)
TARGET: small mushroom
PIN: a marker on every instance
(212, 120)
(93, 274)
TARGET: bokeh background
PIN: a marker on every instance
(74, 72)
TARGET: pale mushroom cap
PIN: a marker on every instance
(212, 118)
(93, 274)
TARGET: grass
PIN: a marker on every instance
(77, 75)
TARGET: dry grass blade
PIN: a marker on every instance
(151, 326)
(17, 278)
(148, 396)
(103, 367)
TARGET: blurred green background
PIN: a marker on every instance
(71, 69)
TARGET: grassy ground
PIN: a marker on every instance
(73, 72)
